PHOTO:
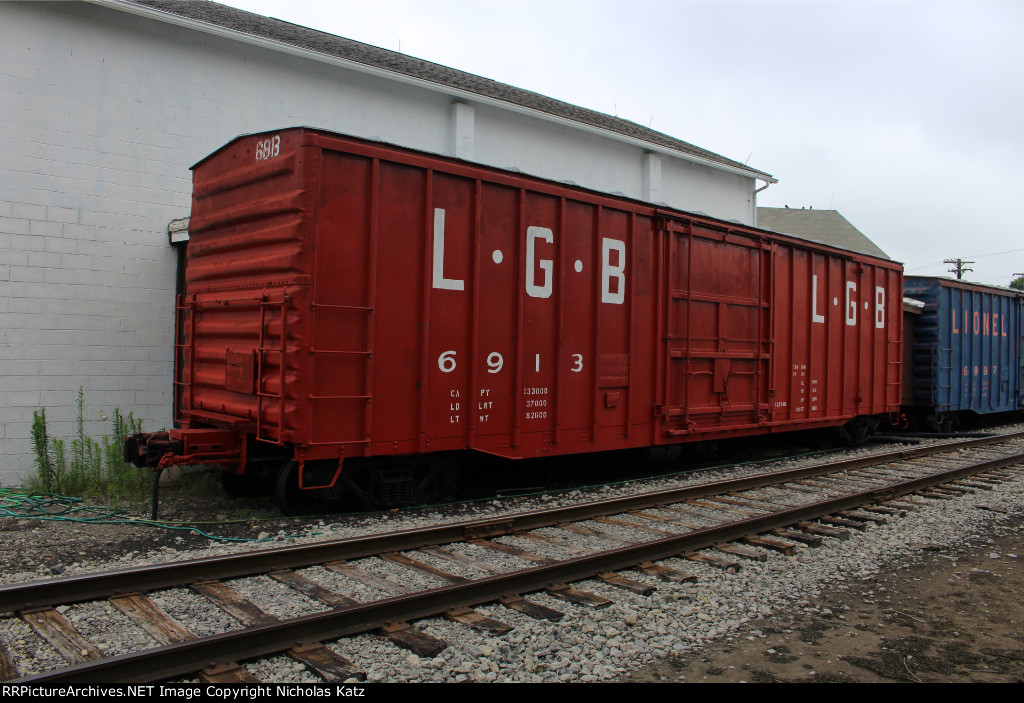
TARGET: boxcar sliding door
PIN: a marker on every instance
(716, 330)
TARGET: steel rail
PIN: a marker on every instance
(187, 657)
(83, 587)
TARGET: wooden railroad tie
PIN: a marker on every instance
(416, 641)
(726, 565)
(815, 529)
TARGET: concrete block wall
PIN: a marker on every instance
(101, 114)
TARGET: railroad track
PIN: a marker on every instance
(501, 560)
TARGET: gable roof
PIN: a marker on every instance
(286, 33)
(826, 226)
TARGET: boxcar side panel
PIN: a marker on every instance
(494, 396)
(400, 303)
(1018, 354)
(342, 309)
(836, 350)
(449, 224)
(399, 353)
(967, 347)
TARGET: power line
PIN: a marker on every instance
(976, 256)
(997, 253)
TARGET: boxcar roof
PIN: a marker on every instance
(966, 285)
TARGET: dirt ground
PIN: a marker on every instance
(90, 537)
(953, 616)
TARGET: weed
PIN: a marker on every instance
(90, 468)
(199, 484)
(41, 448)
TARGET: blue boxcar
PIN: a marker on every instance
(966, 350)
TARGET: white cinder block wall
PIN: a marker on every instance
(102, 112)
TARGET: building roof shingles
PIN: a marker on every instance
(826, 226)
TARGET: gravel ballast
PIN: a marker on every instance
(587, 645)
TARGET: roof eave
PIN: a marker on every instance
(285, 47)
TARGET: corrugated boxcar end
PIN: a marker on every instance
(967, 350)
(244, 314)
(353, 301)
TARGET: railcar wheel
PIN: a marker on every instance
(943, 422)
(949, 423)
(383, 485)
(292, 499)
(857, 431)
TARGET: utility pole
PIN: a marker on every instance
(960, 269)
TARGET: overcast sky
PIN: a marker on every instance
(906, 117)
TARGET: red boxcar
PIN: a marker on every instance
(350, 299)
